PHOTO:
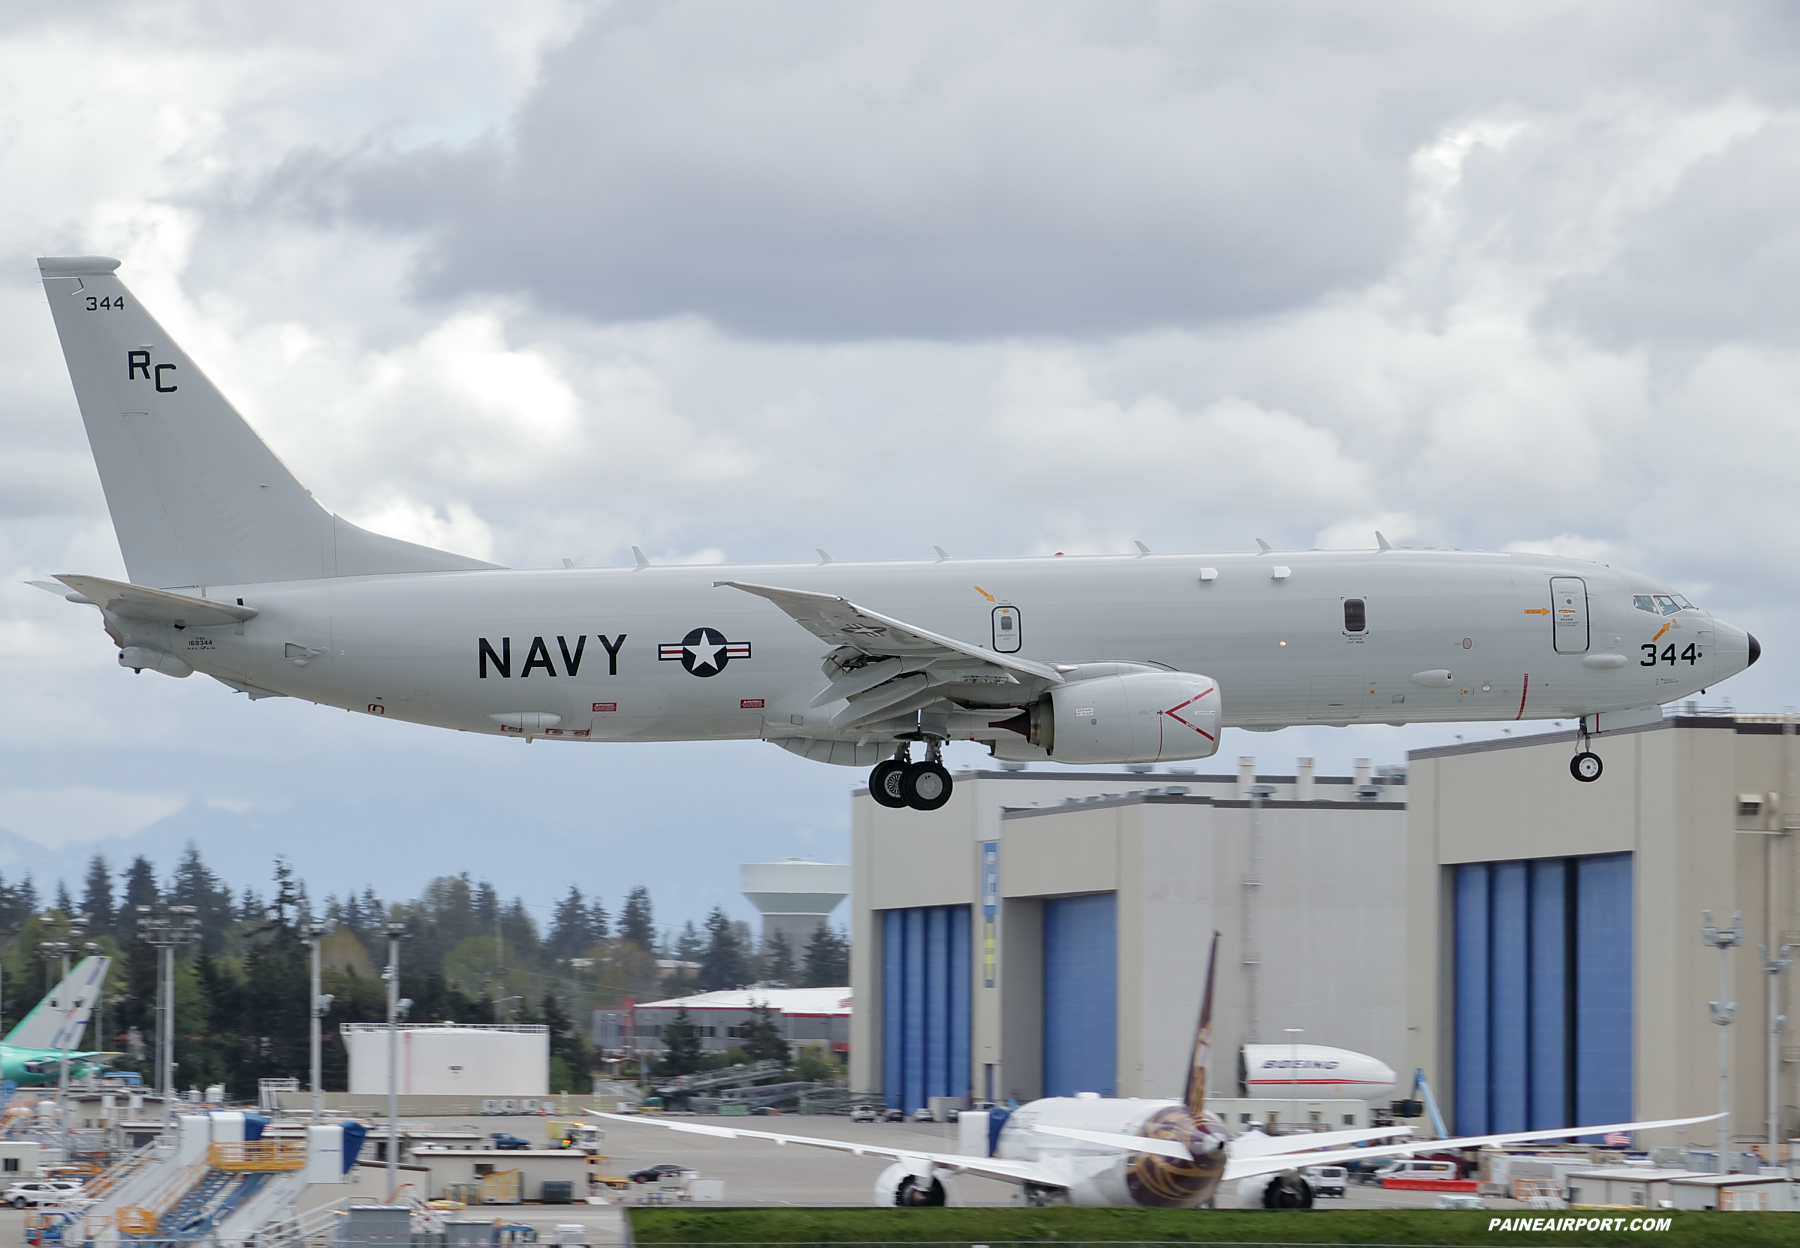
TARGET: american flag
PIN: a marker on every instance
(1616, 1139)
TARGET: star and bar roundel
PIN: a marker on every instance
(703, 652)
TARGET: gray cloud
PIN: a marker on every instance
(817, 170)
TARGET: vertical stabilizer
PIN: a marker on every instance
(59, 1020)
(1195, 1098)
(196, 497)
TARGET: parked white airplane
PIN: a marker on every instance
(1093, 1150)
(237, 572)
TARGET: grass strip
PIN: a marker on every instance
(997, 1227)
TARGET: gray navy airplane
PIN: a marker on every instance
(238, 572)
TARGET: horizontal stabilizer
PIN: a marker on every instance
(136, 602)
(1126, 1143)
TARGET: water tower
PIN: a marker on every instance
(795, 896)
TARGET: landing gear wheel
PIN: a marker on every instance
(884, 783)
(925, 786)
(1586, 766)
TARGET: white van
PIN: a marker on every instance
(1411, 1168)
(1326, 1180)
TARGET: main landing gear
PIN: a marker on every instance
(898, 781)
(1586, 765)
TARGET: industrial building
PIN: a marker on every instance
(451, 1059)
(807, 1016)
(1046, 933)
(1556, 970)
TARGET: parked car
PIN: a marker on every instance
(921, 1114)
(506, 1139)
(953, 1115)
(863, 1113)
(654, 1174)
(1326, 1180)
(34, 1192)
(894, 1115)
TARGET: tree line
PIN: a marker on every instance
(467, 956)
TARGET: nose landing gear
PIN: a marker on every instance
(898, 781)
(1586, 765)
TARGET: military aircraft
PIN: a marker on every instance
(1093, 1150)
(236, 571)
(32, 1054)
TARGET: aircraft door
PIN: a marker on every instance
(1569, 614)
(1007, 634)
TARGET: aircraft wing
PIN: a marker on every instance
(885, 667)
(1249, 1167)
(1035, 1173)
(1270, 1145)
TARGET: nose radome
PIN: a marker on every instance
(1755, 649)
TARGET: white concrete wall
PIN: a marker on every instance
(461, 1061)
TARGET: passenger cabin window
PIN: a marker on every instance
(1356, 616)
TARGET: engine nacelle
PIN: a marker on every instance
(1134, 717)
(909, 1189)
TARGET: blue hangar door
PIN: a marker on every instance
(926, 961)
(1081, 994)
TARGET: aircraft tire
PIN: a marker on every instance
(925, 786)
(884, 783)
(1586, 767)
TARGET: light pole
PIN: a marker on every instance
(1773, 967)
(165, 929)
(396, 932)
(1723, 1012)
(53, 950)
(318, 1005)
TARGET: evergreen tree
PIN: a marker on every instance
(194, 884)
(635, 923)
(688, 946)
(724, 964)
(778, 960)
(65, 904)
(763, 1039)
(570, 935)
(827, 960)
(567, 1050)
(599, 922)
(140, 890)
(681, 1046)
(97, 898)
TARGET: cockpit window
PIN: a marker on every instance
(1666, 604)
(1684, 604)
(1644, 602)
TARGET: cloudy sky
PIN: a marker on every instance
(732, 281)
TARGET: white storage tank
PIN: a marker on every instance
(1306, 1071)
(451, 1059)
(795, 896)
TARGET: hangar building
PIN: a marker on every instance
(807, 1016)
(1046, 932)
(1555, 967)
